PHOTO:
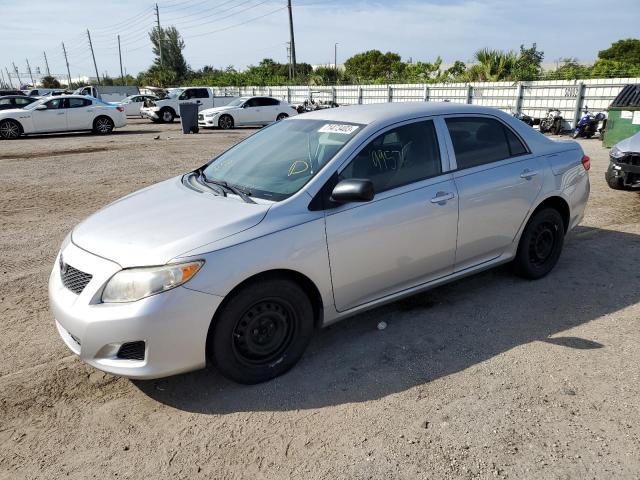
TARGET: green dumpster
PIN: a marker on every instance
(623, 118)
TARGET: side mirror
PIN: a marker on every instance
(353, 190)
(41, 107)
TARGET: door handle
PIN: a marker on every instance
(60, 113)
(528, 174)
(442, 197)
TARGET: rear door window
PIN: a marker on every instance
(480, 140)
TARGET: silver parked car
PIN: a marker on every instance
(624, 166)
(306, 222)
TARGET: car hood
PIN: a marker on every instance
(631, 144)
(154, 225)
(217, 109)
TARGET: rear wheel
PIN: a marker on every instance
(556, 129)
(9, 130)
(103, 126)
(540, 245)
(262, 331)
(225, 122)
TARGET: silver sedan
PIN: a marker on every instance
(304, 223)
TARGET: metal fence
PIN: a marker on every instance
(529, 98)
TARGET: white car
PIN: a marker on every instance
(246, 111)
(133, 103)
(63, 113)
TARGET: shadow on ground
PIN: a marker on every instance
(435, 334)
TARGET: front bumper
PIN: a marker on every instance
(628, 172)
(207, 122)
(173, 324)
(148, 113)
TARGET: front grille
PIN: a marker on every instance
(131, 351)
(74, 279)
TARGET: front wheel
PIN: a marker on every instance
(167, 115)
(103, 126)
(262, 331)
(282, 116)
(556, 129)
(225, 122)
(540, 245)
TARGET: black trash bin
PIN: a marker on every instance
(189, 117)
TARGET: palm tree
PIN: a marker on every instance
(493, 65)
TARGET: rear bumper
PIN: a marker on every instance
(173, 324)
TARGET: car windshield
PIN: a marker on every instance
(237, 102)
(175, 92)
(279, 160)
(33, 105)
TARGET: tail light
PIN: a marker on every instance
(586, 162)
(121, 109)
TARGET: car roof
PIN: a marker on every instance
(18, 96)
(393, 112)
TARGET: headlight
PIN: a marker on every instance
(210, 115)
(615, 152)
(134, 284)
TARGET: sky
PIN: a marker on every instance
(242, 32)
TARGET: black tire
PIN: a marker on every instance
(10, 130)
(544, 126)
(225, 122)
(103, 125)
(167, 115)
(282, 116)
(556, 129)
(575, 135)
(616, 183)
(262, 331)
(540, 245)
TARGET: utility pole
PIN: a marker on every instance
(8, 76)
(120, 55)
(293, 41)
(335, 60)
(288, 44)
(64, 50)
(15, 69)
(33, 82)
(160, 35)
(46, 62)
(94, 57)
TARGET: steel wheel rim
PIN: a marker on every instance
(264, 332)
(10, 130)
(103, 125)
(542, 243)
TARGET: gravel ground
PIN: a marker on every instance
(489, 377)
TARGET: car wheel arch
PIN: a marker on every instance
(558, 203)
(305, 282)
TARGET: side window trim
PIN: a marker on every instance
(452, 155)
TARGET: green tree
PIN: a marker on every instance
(422, 72)
(172, 67)
(375, 66)
(626, 51)
(456, 72)
(570, 69)
(528, 65)
(50, 82)
(493, 65)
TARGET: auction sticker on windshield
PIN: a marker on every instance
(338, 128)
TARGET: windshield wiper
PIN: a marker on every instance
(226, 186)
(202, 180)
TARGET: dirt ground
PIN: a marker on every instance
(489, 377)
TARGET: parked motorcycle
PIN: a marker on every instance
(589, 124)
(552, 122)
(522, 117)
